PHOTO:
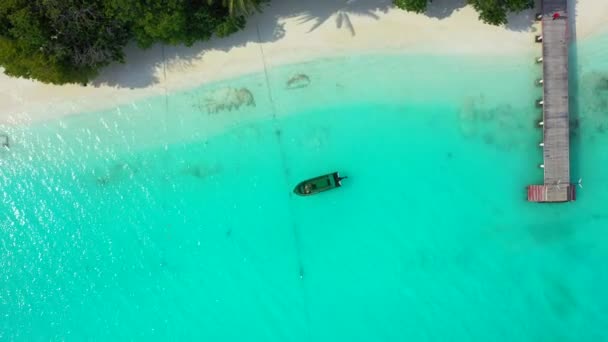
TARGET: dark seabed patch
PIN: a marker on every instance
(119, 171)
(298, 81)
(201, 171)
(592, 104)
(575, 124)
(501, 126)
(560, 296)
(226, 99)
(550, 232)
(4, 140)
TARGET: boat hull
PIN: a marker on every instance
(319, 184)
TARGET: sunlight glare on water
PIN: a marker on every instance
(174, 218)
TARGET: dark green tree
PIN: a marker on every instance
(239, 7)
(490, 11)
(417, 6)
(60, 41)
(495, 11)
(175, 21)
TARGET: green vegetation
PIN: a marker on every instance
(495, 11)
(65, 41)
(239, 6)
(417, 6)
(490, 11)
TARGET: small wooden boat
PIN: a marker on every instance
(319, 184)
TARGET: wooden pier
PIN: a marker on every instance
(555, 122)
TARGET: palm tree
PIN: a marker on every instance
(236, 7)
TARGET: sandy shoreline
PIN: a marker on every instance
(286, 32)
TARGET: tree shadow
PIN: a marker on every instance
(523, 21)
(144, 68)
(133, 74)
(441, 9)
(342, 10)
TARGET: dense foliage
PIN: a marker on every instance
(62, 41)
(490, 11)
(417, 6)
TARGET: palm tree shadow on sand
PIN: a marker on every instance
(341, 10)
(142, 67)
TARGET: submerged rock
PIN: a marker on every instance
(298, 81)
(245, 97)
(227, 99)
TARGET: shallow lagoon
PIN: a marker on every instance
(163, 219)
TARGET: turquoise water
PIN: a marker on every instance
(158, 220)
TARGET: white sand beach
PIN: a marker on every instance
(288, 31)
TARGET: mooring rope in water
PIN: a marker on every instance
(296, 235)
(274, 108)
